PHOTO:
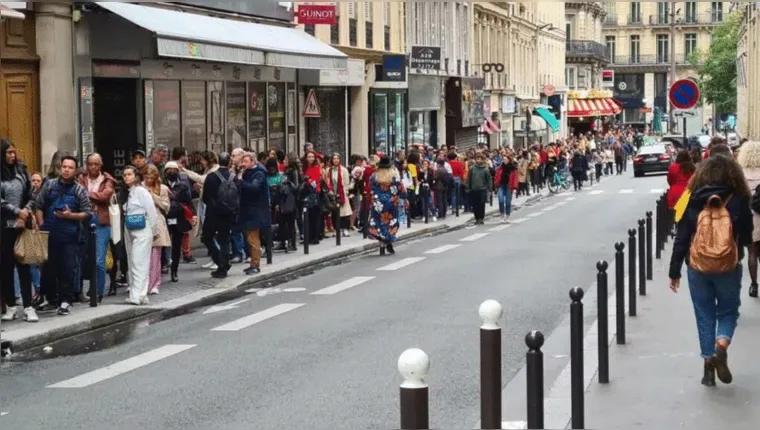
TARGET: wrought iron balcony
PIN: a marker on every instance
(587, 48)
(611, 21)
(653, 60)
(713, 18)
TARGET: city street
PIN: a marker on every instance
(321, 351)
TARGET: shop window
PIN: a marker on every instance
(368, 34)
(309, 29)
(215, 107)
(166, 114)
(352, 37)
(422, 128)
(380, 123)
(257, 115)
(334, 34)
(194, 115)
(276, 103)
(236, 106)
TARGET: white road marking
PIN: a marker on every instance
(656, 191)
(474, 237)
(550, 208)
(337, 288)
(499, 228)
(518, 221)
(122, 367)
(442, 249)
(258, 317)
(570, 199)
(516, 425)
(596, 192)
(401, 264)
(626, 191)
(566, 193)
(225, 307)
(535, 214)
(560, 204)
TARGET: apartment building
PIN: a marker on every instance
(748, 74)
(645, 39)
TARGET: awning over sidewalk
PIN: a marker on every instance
(198, 37)
(550, 119)
(6, 12)
(592, 107)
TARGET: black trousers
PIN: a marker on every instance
(58, 278)
(619, 165)
(577, 180)
(478, 202)
(442, 199)
(218, 226)
(288, 229)
(176, 250)
(7, 266)
(315, 220)
(598, 171)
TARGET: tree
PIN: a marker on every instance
(717, 77)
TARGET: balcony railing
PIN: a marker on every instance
(652, 60)
(585, 47)
(611, 21)
(659, 19)
(712, 18)
(634, 19)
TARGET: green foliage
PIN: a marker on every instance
(717, 77)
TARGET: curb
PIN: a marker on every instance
(226, 290)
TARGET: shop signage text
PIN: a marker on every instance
(394, 68)
(316, 14)
(425, 57)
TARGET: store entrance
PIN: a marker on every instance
(115, 122)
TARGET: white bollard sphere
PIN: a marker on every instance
(413, 365)
(490, 312)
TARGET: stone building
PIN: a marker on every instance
(748, 74)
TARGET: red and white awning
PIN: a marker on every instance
(592, 107)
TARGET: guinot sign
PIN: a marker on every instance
(316, 14)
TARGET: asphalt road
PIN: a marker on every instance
(331, 362)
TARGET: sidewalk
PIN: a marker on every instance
(655, 378)
(197, 288)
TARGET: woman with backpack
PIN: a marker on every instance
(749, 159)
(289, 207)
(711, 237)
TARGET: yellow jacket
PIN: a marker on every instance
(682, 203)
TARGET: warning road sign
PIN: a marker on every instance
(311, 108)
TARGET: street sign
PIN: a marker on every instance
(425, 57)
(311, 107)
(688, 113)
(684, 94)
(608, 78)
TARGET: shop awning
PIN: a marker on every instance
(492, 125)
(6, 12)
(549, 117)
(198, 37)
(592, 107)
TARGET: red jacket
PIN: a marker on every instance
(513, 179)
(314, 175)
(678, 181)
(457, 169)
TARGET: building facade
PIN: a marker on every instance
(748, 74)
(645, 40)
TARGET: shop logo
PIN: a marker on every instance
(314, 14)
(193, 49)
(168, 70)
(394, 68)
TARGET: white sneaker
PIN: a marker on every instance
(503, 219)
(435, 219)
(345, 233)
(209, 265)
(9, 315)
(213, 267)
(506, 220)
(30, 315)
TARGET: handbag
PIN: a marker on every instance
(114, 212)
(134, 222)
(109, 259)
(31, 247)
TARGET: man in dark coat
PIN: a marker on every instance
(218, 221)
(255, 208)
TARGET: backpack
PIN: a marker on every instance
(713, 248)
(228, 195)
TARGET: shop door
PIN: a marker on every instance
(388, 114)
(19, 120)
(328, 133)
(115, 122)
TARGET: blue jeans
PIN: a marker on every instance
(716, 300)
(456, 192)
(239, 248)
(102, 237)
(505, 200)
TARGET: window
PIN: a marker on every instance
(569, 30)
(691, 44)
(635, 49)
(690, 14)
(663, 12)
(611, 48)
(309, 28)
(663, 48)
(335, 28)
(352, 36)
(387, 26)
(387, 37)
(368, 27)
(635, 16)
(716, 11)
(570, 77)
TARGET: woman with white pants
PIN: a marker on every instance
(140, 229)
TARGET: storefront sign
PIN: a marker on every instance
(311, 107)
(508, 104)
(608, 78)
(316, 14)
(425, 57)
(353, 76)
(394, 68)
(473, 98)
(257, 114)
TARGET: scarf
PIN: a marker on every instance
(337, 186)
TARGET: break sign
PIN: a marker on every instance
(684, 94)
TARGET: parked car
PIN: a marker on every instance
(651, 159)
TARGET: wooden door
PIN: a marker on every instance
(19, 110)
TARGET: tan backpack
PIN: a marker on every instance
(714, 249)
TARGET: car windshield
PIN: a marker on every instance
(653, 149)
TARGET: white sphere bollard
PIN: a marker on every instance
(490, 312)
(413, 365)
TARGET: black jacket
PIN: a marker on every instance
(211, 189)
(741, 220)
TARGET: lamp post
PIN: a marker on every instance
(673, 12)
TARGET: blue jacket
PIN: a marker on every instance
(56, 195)
(255, 210)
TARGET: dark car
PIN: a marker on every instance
(651, 159)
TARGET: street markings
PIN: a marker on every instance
(337, 288)
(656, 191)
(535, 214)
(518, 221)
(225, 307)
(401, 264)
(474, 237)
(626, 191)
(258, 317)
(569, 199)
(566, 193)
(550, 208)
(560, 204)
(442, 249)
(122, 367)
(499, 228)
(596, 192)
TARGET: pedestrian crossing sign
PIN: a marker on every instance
(311, 108)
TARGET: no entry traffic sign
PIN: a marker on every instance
(684, 94)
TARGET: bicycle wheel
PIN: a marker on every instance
(553, 186)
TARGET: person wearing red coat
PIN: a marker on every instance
(505, 181)
(679, 174)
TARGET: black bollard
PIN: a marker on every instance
(413, 365)
(426, 202)
(659, 228)
(642, 259)
(365, 217)
(93, 251)
(577, 386)
(535, 379)
(650, 270)
(408, 214)
(490, 365)
(620, 293)
(306, 231)
(336, 225)
(459, 199)
(490, 198)
(665, 222)
(603, 329)
(632, 273)
(270, 243)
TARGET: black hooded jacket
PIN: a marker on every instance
(741, 220)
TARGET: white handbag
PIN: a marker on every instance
(114, 212)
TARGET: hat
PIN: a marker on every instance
(139, 152)
(385, 162)
(171, 165)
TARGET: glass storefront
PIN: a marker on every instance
(388, 122)
(423, 128)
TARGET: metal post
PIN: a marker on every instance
(665, 222)
(672, 124)
(306, 231)
(632, 273)
(408, 214)
(650, 270)
(270, 244)
(413, 365)
(458, 199)
(92, 249)
(603, 327)
(659, 228)
(534, 370)
(365, 217)
(620, 292)
(490, 198)
(490, 365)
(336, 225)
(577, 386)
(642, 260)
(426, 202)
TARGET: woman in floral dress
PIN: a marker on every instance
(386, 192)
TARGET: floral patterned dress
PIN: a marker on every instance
(383, 220)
